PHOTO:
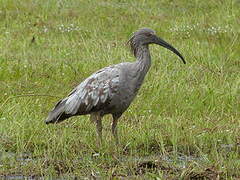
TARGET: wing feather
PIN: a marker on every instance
(94, 91)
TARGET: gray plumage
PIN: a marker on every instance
(112, 89)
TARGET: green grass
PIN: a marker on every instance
(185, 121)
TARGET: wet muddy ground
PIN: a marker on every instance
(169, 164)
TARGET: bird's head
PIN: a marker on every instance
(145, 36)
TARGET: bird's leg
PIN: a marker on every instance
(93, 118)
(99, 128)
(96, 118)
(114, 128)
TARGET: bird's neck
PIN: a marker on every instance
(142, 65)
(143, 60)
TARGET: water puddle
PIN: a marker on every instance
(17, 177)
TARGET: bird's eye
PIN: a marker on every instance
(148, 34)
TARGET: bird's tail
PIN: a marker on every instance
(58, 113)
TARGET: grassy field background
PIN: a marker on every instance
(185, 121)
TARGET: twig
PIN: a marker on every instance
(25, 95)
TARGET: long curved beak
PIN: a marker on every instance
(163, 43)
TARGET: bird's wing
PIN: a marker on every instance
(94, 91)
